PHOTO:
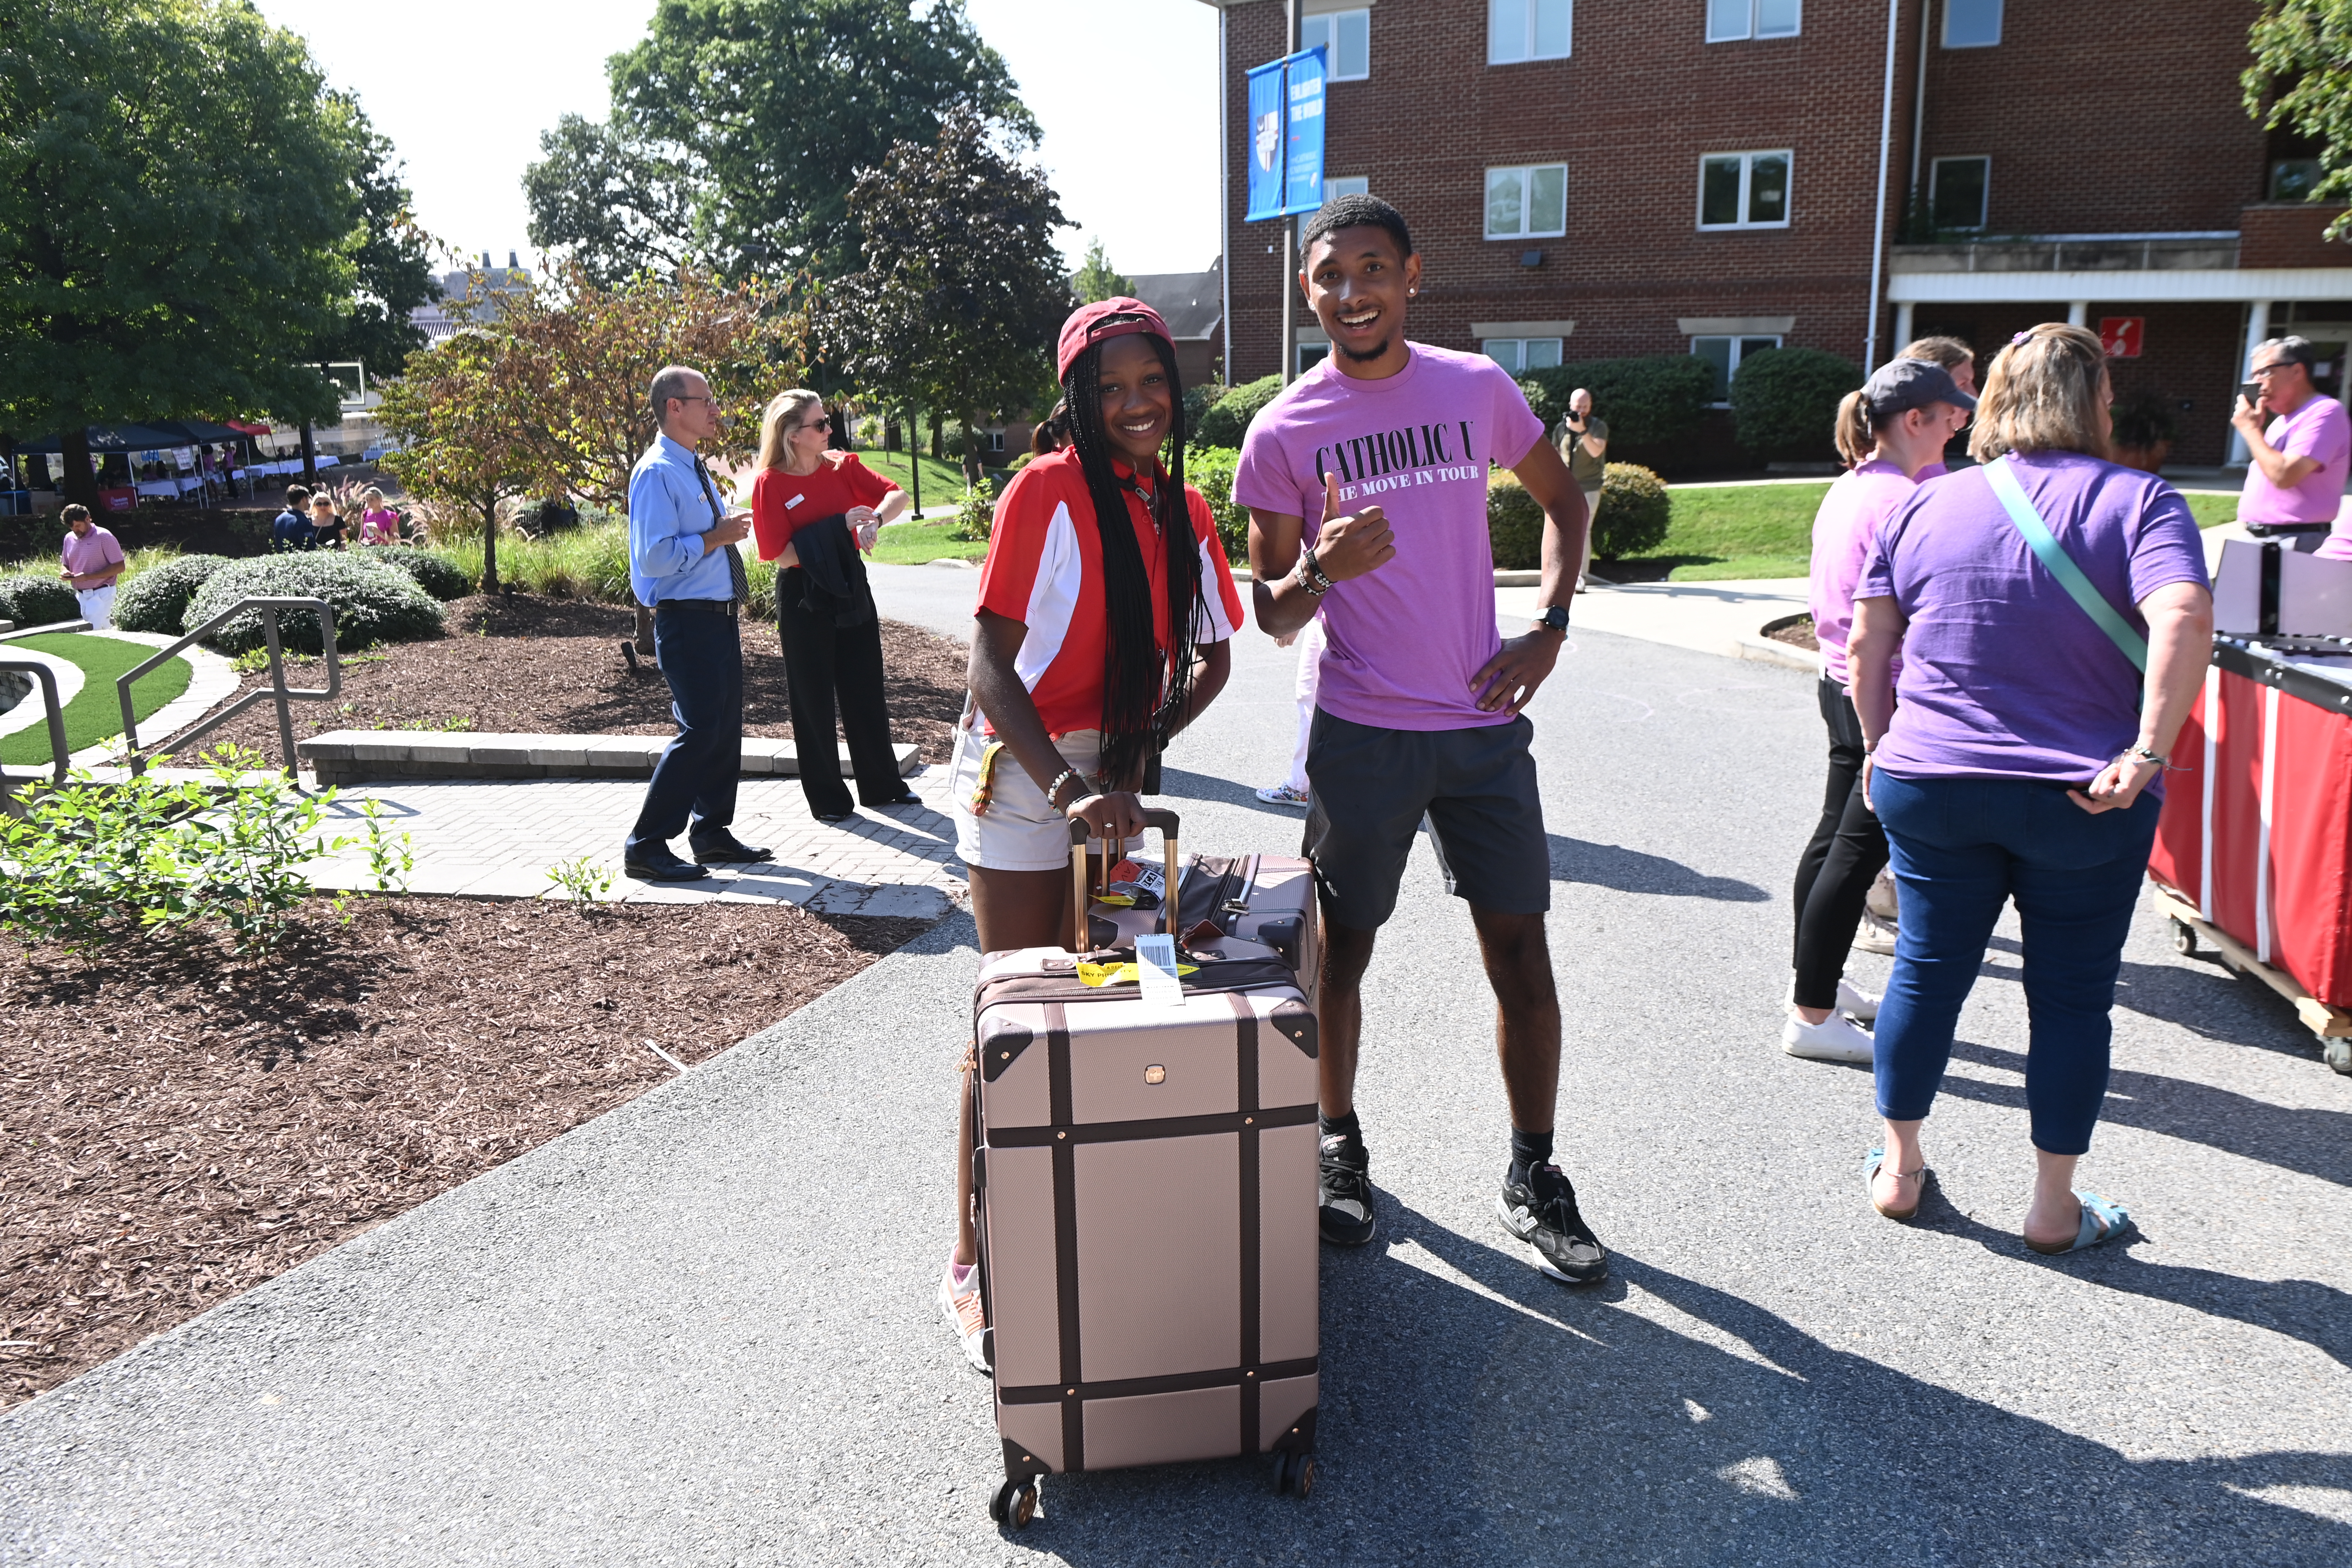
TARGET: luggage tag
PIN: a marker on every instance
(1156, 970)
(1098, 976)
(1132, 885)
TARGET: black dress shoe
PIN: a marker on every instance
(661, 867)
(725, 848)
(910, 798)
(832, 818)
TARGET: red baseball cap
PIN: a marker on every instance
(1112, 317)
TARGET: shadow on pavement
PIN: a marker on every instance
(1178, 785)
(1633, 871)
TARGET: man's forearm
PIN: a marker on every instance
(1284, 607)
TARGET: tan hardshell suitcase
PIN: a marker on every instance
(1146, 1176)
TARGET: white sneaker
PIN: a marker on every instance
(1875, 935)
(1282, 795)
(965, 1319)
(1861, 1005)
(1833, 1040)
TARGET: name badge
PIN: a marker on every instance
(794, 501)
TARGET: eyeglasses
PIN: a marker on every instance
(2262, 370)
(823, 422)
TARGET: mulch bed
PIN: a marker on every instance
(1797, 634)
(541, 665)
(180, 1126)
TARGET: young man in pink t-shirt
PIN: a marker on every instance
(1366, 483)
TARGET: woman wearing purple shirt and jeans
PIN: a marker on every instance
(2025, 756)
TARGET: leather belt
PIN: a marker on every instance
(713, 606)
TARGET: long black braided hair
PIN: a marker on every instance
(1145, 691)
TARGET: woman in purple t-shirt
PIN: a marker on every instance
(2024, 759)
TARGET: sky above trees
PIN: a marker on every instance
(463, 92)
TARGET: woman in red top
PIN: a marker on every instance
(1104, 611)
(801, 482)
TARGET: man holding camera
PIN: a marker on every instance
(1584, 442)
(2298, 446)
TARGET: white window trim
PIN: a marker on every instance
(1714, 38)
(1523, 171)
(1944, 34)
(1331, 59)
(1358, 184)
(1734, 339)
(1934, 174)
(1747, 179)
(1530, 57)
(1559, 346)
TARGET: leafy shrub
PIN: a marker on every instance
(1515, 524)
(154, 600)
(373, 603)
(1786, 400)
(1633, 512)
(36, 601)
(975, 513)
(1647, 402)
(1198, 401)
(434, 573)
(1210, 470)
(1228, 418)
(1019, 462)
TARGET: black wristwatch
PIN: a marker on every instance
(1556, 618)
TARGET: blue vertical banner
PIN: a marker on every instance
(1285, 136)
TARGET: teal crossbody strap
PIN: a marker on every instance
(2061, 565)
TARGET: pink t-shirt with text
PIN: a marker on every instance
(1402, 642)
(1862, 498)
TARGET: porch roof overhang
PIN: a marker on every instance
(2221, 285)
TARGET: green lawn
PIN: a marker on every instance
(1723, 532)
(942, 482)
(912, 543)
(96, 713)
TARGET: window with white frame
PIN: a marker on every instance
(1527, 202)
(1971, 24)
(1728, 21)
(1725, 354)
(1520, 355)
(1958, 192)
(1744, 190)
(1529, 30)
(1342, 185)
(1347, 40)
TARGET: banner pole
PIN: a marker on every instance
(1289, 280)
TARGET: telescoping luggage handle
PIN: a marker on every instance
(1080, 834)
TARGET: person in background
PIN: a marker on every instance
(808, 494)
(291, 529)
(328, 529)
(1584, 443)
(2298, 447)
(1892, 431)
(683, 562)
(379, 524)
(2025, 758)
(1294, 789)
(92, 561)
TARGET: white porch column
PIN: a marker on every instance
(2078, 314)
(2258, 332)
(1903, 323)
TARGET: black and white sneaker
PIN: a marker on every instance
(1563, 1245)
(1343, 1203)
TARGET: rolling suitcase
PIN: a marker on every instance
(1145, 1174)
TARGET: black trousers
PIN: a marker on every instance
(701, 655)
(821, 660)
(1847, 852)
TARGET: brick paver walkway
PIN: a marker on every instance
(497, 839)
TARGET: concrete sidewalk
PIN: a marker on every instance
(1726, 618)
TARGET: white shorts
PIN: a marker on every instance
(97, 605)
(1019, 832)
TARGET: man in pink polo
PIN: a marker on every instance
(92, 561)
(2299, 446)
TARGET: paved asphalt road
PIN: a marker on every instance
(699, 1330)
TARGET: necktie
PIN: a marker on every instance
(735, 576)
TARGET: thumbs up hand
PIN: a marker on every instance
(1352, 545)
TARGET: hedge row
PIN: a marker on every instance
(1632, 518)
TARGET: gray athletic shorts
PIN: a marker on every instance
(1369, 789)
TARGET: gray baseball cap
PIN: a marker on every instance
(1902, 383)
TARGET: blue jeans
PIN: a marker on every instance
(1962, 848)
(701, 656)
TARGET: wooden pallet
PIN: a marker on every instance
(2332, 1025)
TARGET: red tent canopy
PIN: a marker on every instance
(248, 430)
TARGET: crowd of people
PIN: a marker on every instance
(310, 521)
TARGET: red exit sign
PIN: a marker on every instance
(2121, 335)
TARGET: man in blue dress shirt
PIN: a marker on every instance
(684, 563)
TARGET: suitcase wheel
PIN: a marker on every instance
(2184, 938)
(1294, 1474)
(1014, 1504)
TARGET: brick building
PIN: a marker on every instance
(1709, 176)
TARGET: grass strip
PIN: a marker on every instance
(96, 713)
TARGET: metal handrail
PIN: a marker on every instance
(277, 690)
(49, 679)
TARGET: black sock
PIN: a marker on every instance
(1346, 1127)
(1528, 1152)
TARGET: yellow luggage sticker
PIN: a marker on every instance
(1100, 975)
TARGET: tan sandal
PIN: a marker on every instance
(1869, 1166)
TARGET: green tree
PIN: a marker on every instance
(1097, 279)
(455, 408)
(2302, 80)
(962, 286)
(177, 216)
(738, 125)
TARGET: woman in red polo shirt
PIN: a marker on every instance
(801, 482)
(1105, 612)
